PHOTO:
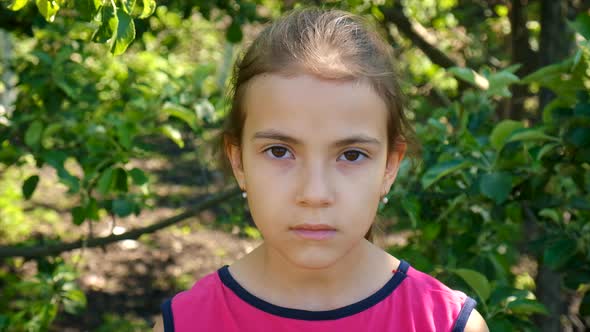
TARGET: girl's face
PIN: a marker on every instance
(313, 152)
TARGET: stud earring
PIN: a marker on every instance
(385, 200)
(244, 194)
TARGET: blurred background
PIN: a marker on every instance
(111, 198)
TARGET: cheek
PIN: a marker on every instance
(365, 178)
(269, 186)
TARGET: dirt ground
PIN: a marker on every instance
(135, 277)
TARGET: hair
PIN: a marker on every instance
(328, 44)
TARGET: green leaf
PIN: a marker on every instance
(30, 185)
(559, 252)
(430, 231)
(138, 176)
(17, 4)
(442, 169)
(186, 115)
(499, 83)
(501, 324)
(565, 79)
(513, 68)
(74, 301)
(496, 186)
(531, 134)
(248, 10)
(68, 179)
(502, 132)
(582, 25)
(127, 6)
(546, 149)
(579, 202)
(105, 181)
(501, 10)
(121, 179)
(234, 32)
(78, 215)
(470, 76)
(92, 209)
(551, 214)
(108, 25)
(33, 134)
(548, 73)
(125, 33)
(48, 8)
(124, 132)
(577, 136)
(55, 158)
(252, 232)
(148, 8)
(173, 134)
(526, 307)
(377, 13)
(122, 207)
(88, 8)
(412, 207)
(477, 281)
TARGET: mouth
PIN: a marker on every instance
(314, 227)
(314, 231)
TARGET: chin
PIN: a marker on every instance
(314, 260)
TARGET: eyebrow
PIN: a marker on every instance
(355, 139)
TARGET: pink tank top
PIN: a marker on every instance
(409, 301)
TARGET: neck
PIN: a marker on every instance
(356, 275)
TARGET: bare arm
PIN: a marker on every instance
(159, 327)
(476, 323)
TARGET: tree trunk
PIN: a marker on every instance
(554, 46)
(556, 39)
(521, 54)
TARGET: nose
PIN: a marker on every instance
(314, 188)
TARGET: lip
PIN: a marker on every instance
(314, 231)
(314, 227)
(315, 235)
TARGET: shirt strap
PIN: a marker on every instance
(167, 315)
(466, 310)
(403, 267)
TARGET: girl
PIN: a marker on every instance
(315, 138)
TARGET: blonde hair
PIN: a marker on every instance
(329, 44)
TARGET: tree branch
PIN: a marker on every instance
(418, 35)
(55, 249)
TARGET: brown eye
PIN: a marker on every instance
(353, 155)
(277, 152)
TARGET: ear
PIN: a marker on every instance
(234, 154)
(394, 160)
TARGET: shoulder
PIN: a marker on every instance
(187, 305)
(201, 290)
(159, 327)
(476, 323)
(432, 289)
(444, 306)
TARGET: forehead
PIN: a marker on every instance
(312, 108)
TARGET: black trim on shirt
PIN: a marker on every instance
(167, 315)
(348, 310)
(466, 310)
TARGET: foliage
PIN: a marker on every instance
(31, 304)
(483, 183)
(98, 82)
(89, 115)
